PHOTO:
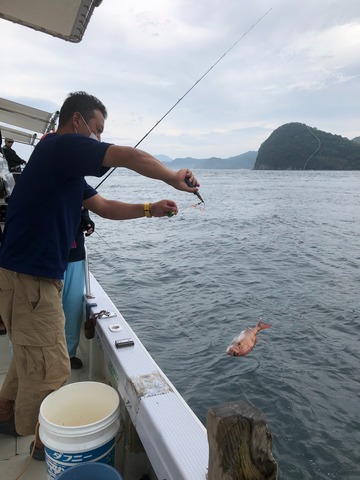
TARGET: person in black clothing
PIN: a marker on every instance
(12, 158)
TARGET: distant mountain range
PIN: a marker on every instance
(293, 146)
(245, 160)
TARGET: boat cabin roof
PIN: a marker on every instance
(66, 20)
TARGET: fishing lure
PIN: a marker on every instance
(189, 184)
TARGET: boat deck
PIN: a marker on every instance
(14, 452)
(160, 436)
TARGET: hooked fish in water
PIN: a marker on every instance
(246, 341)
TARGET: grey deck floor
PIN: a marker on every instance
(14, 452)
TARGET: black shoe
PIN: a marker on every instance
(39, 453)
(76, 363)
(8, 428)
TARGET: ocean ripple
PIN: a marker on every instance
(283, 246)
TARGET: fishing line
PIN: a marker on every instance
(120, 260)
(189, 90)
(318, 148)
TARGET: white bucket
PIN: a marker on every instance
(78, 424)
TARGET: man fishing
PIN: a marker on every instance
(43, 216)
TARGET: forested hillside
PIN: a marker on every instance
(295, 146)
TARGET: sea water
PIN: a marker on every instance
(282, 246)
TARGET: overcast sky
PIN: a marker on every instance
(300, 63)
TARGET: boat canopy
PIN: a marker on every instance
(66, 19)
(24, 124)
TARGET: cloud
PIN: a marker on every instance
(300, 63)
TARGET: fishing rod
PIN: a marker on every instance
(188, 91)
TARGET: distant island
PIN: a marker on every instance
(293, 146)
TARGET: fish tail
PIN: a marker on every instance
(262, 326)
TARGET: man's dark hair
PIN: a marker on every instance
(83, 103)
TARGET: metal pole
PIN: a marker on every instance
(88, 293)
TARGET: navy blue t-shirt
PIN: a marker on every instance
(43, 214)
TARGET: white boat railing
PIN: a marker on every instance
(173, 437)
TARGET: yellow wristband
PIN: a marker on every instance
(147, 210)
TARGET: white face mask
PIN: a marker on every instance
(92, 135)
